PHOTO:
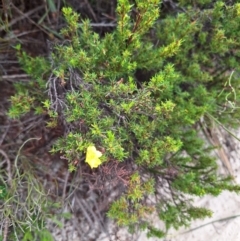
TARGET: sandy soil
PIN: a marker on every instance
(224, 225)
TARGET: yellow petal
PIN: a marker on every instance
(92, 157)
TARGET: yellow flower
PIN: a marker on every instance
(92, 157)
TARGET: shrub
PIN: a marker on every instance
(139, 96)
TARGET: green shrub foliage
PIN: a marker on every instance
(140, 94)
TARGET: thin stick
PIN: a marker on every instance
(3, 135)
(14, 76)
(91, 10)
(225, 128)
(26, 15)
(63, 200)
(18, 153)
(8, 167)
(5, 231)
(215, 221)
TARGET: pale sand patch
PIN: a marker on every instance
(224, 225)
